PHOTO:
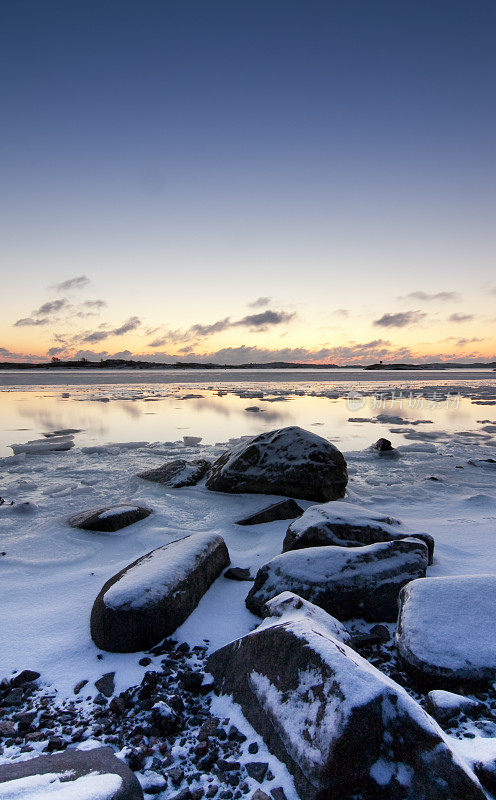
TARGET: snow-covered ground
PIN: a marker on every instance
(50, 573)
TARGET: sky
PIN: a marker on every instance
(248, 180)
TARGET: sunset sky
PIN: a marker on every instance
(249, 180)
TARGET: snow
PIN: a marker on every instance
(158, 573)
(51, 573)
(288, 606)
(116, 511)
(94, 786)
(449, 623)
(342, 512)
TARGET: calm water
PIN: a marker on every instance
(139, 407)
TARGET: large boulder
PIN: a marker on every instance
(95, 774)
(346, 582)
(178, 473)
(347, 525)
(287, 606)
(291, 462)
(447, 629)
(151, 597)
(343, 729)
(109, 518)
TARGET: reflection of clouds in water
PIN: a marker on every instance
(131, 409)
(47, 420)
(223, 409)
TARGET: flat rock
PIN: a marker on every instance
(343, 729)
(447, 629)
(285, 509)
(95, 774)
(238, 574)
(151, 597)
(347, 525)
(346, 582)
(290, 461)
(178, 473)
(109, 518)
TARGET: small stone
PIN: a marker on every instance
(238, 574)
(144, 662)
(176, 775)
(106, 684)
(26, 676)
(278, 793)
(259, 795)
(55, 743)
(79, 686)
(253, 748)
(228, 766)
(100, 700)
(212, 791)
(257, 770)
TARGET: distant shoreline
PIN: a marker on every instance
(114, 364)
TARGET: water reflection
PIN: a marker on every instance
(116, 413)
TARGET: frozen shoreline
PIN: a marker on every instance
(20, 378)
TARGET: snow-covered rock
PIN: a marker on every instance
(345, 582)
(83, 774)
(343, 728)
(347, 525)
(151, 597)
(110, 518)
(41, 446)
(290, 461)
(178, 473)
(287, 606)
(285, 509)
(447, 628)
(446, 705)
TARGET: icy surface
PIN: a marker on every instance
(288, 606)
(450, 623)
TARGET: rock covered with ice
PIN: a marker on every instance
(346, 582)
(83, 774)
(110, 518)
(286, 606)
(447, 628)
(342, 728)
(290, 461)
(178, 473)
(151, 597)
(347, 525)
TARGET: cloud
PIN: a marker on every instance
(341, 312)
(260, 302)
(131, 325)
(73, 283)
(444, 297)
(461, 317)
(55, 351)
(400, 320)
(41, 315)
(258, 322)
(29, 321)
(464, 342)
(95, 304)
(99, 336)
(264, 318)
(8, 355)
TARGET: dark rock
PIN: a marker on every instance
(228, 766)
(149, 599)
(110, 518)
(165, 719)
(383, 446)
(26, 676)
(253, 748)
(285, 509)
(7, 729)
(290, 462)
(80, 685)
(346, 525)
(144, 662)
(259, 795)
(345, 582)
(278, 793)
(343, 729)
(74, 764)
(106, 684)
(257, 770)
(192, 681)
(178, 473)
(238, 574)
(13, 698)
(444, 706)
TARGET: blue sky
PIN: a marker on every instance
(189, 158)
